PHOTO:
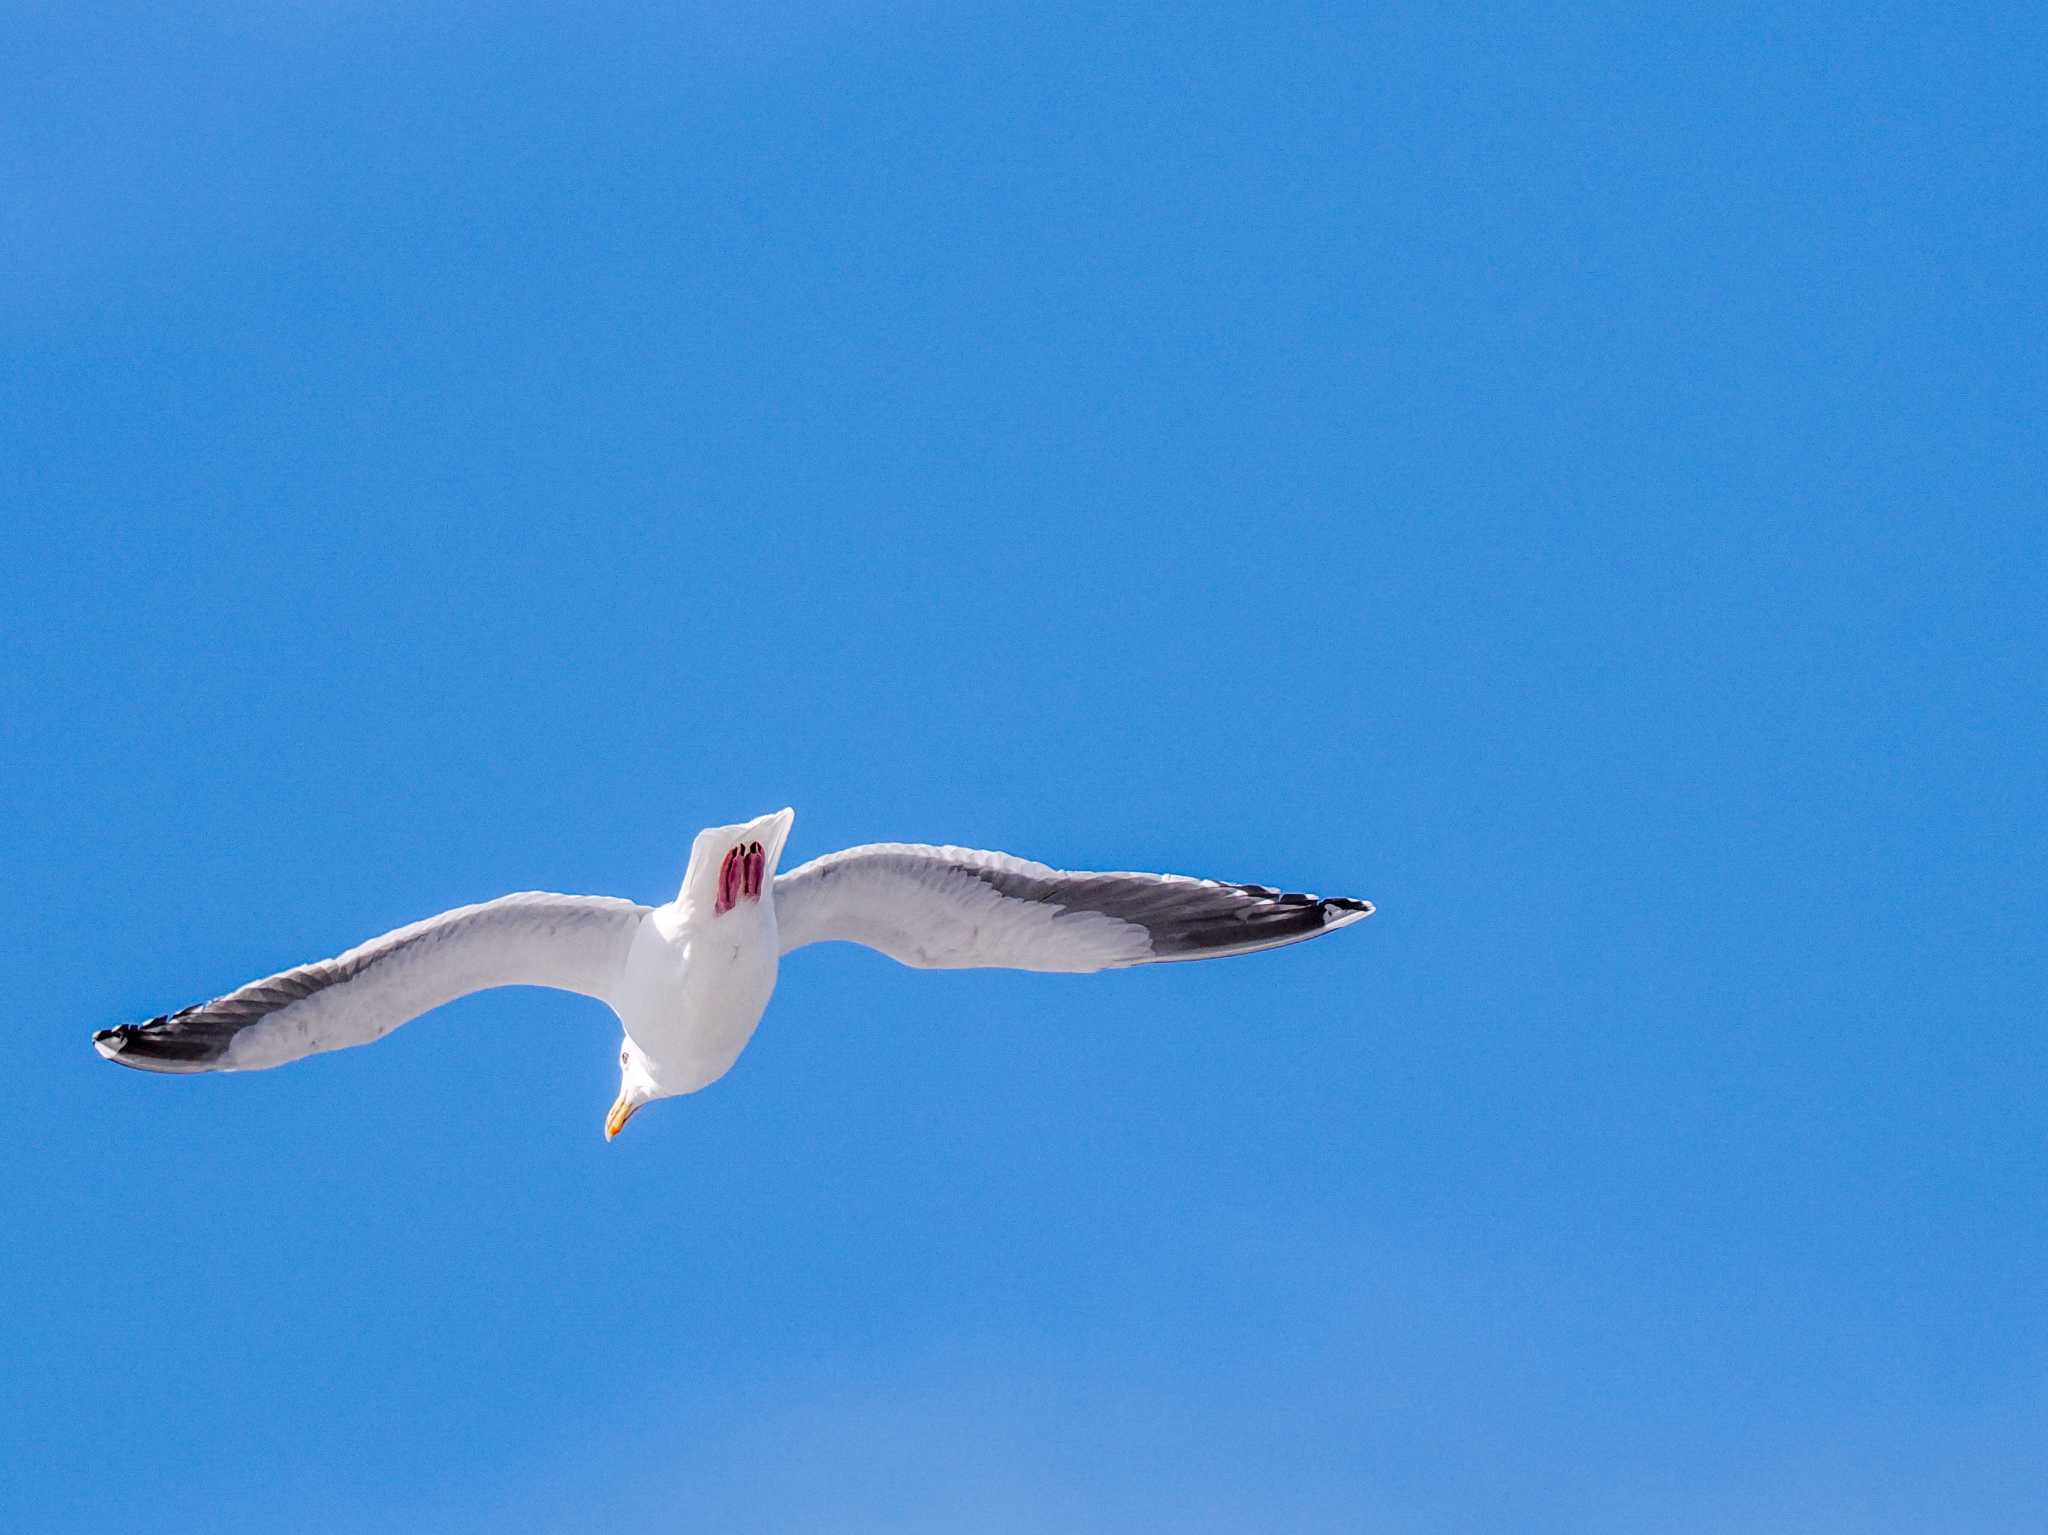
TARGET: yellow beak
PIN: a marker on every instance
(622, 1111)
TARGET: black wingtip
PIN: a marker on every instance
(126, 1044)
(167, 1043)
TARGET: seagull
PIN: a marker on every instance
(690, 980)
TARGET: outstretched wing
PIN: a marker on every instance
(570, 942)
(953, 908)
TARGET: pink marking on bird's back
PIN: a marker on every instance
(728, 883)
(740, 877)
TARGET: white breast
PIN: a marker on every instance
(695, 988)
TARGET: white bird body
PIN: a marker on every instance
(690, 980)
(700, 972)
(692, 995)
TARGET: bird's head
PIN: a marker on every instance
(637, 1086)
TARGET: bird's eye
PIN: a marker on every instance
(622, 1057)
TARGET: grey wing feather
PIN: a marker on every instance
(570, 942)
(943, 908)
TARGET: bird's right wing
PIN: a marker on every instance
(951, 908)
(570, 942)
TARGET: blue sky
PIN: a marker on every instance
(1572, 476)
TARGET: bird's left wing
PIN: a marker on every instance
(953, 908)
(570, 942)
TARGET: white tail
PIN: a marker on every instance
(723, 870)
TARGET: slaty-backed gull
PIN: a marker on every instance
(690, 980)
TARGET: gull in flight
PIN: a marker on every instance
(691, 979)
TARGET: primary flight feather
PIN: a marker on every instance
(690, 980)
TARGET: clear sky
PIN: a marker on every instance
(1572, 475)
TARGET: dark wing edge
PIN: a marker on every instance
(533, 938)
(951, 907)
(1264, 918)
